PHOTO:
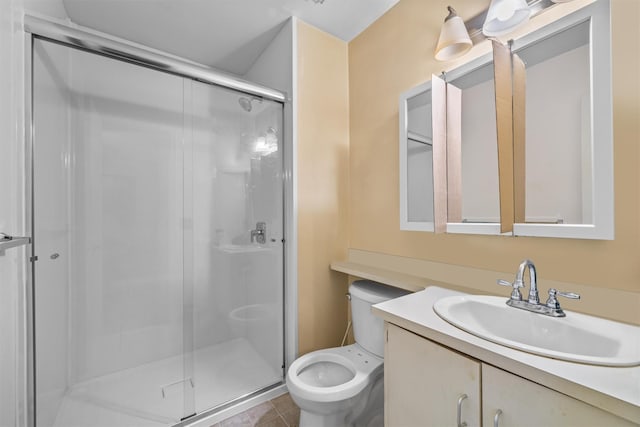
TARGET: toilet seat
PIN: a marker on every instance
(361, 364)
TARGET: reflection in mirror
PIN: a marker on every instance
(480, 198)
(558, 133)
(419, 158)
(569, 136)
(416, 158)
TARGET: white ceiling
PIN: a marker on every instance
(225, 34)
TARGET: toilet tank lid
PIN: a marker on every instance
(374, 292)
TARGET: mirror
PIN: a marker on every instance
(569, 138)
(423, 157)
(563, 187)
(416, 159)
(478, 169)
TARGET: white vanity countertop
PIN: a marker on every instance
(614, 389)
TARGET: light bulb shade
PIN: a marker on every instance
(454, 39)
(505, 16)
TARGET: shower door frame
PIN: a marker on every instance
(102, 44)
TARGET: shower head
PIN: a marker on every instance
(247, 103)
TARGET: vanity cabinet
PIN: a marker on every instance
(525, 403)
(421, 394)
(425, 381)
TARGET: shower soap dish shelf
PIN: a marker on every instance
(8, 242)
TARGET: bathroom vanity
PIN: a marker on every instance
(437, 374)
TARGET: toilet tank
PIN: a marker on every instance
(368, 329)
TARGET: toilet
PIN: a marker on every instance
(343, 386)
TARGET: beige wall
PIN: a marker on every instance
(396, 53)
(323, 160)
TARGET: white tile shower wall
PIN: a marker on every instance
(264, 277)
(237, 284)
(219, 177)
(126, 210)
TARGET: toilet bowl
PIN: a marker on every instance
(333, 384)
(343, 386)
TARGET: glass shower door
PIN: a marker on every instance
(237, 285)
(158, 228)
(108, 233)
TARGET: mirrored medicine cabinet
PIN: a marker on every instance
(557, 133)
(416, 159)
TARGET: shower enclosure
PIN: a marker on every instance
(158, 236)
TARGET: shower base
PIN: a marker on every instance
(158, 394)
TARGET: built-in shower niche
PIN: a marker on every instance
(143, 312)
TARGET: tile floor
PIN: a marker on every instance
(278, 412)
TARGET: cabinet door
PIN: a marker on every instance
(524, 403)
(423, 382)
(423, 157)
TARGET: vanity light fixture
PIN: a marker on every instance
(505, 16)
(454, 39)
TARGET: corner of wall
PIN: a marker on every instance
(322, 164)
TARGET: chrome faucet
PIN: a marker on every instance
(533, 284)
(259, 234)
(550, 308)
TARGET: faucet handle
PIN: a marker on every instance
(515, 294)
(508, 283)
(552, 302)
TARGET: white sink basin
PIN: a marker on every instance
(576, 338)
